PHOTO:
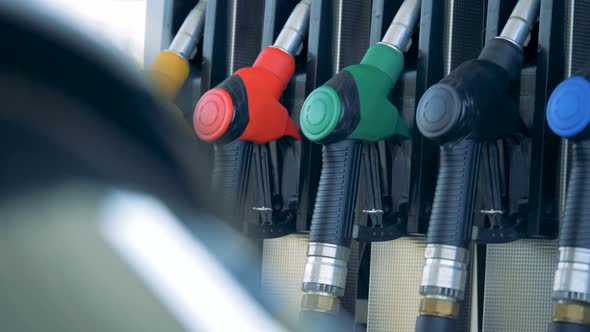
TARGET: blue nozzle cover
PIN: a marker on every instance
(568, 110)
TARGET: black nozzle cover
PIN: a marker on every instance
(568, 327)
(434, 323)
(505, 54)
(474, 101)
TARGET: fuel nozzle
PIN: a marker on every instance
(245, 109)
(246, 106)
(568, 115)
(355, 104)
(351, 108)
(472, 104)
(170, 67)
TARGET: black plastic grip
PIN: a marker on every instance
(333, 213)
(575, 229)
(435, 323)
(231, 165)
(567, 327)
(451, 218)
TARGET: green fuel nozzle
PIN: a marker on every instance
(355, 103)
(351, 108)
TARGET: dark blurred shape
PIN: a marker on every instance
(73, 108)
(77, 121)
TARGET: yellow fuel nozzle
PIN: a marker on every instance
(170, 68)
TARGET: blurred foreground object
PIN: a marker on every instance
(100, 197)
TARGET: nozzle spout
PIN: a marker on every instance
(186, 40)
(521, 22)
(399, 34)
(294, 31)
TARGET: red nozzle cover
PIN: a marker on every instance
(277, 62)
(213, 114)
(263, 83)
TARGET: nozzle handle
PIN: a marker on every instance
(333, 213)
(231, 165)
(575, 229)
(451, 218)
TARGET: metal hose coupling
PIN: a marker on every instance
(324, 277)
(443, 280)
(571, 288)
(291, 37)
(399, 33)
(186, 40)
(522, 19)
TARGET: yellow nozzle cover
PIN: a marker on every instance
(169, 71)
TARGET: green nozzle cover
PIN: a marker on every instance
(386, 59)
(356, 101)
(320, 113)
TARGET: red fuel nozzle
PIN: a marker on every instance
(246, 105)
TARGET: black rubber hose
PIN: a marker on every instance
(568, 327)
(575, 229)
(313, 321)
(451, 218)
(231, 165)
(333, 214)
(435, 323)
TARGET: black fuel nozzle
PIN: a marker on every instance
(474, 102)
(470, 105)
(568, 115)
